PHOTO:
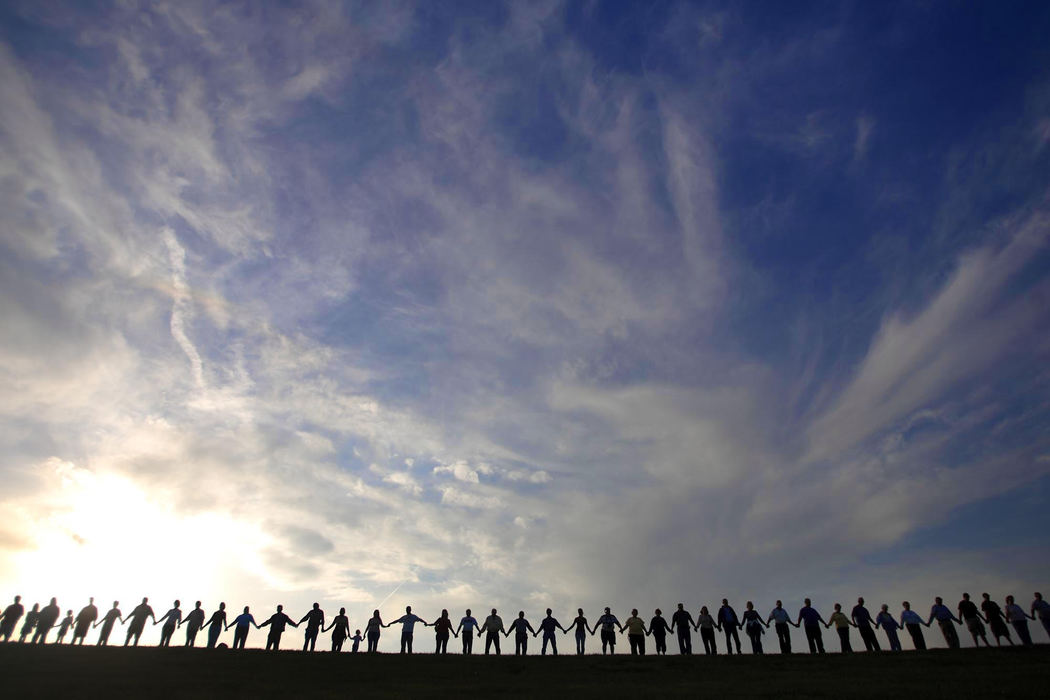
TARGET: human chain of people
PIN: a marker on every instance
(40, 621)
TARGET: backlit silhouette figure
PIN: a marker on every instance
(277, 623)
(659, 628)
(946, 620)
(442, 628)
(971, 617)
(85, 618)
(356, 639)
(340, 630)
(521, 629)
(863, 622)
(582, 630)
(30, 623)
(781, 625)
(728, 620)
(216, 624)
(993, 615)
(1017, 617)
(372, 630)
(889, 626)
(138, 617)
(194, 622)
(492, 627)
(314, 622)
(173, 617)
(811, 621)
(467, 625)
(1041, 609)
(547, 626)
(683, 621)
(10, 617)
(607, 622)
(408, 623)
(107, 622)
(64, 626)
(753, 623)
(48, 617)
(242, 624)
(707, 625)
(913, 623)
(636, 633)
(842, 625)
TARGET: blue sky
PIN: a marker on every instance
(524, 304)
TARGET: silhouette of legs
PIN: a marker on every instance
(240, 636)
(867, 634)
(165, 635)
(844, 639)
(406, 642)
(637, 642)
(310, 640)
(756, 639)
(815, 639)
(731, 634)
(915, 630)
(783, 636)
(608, 641)
(685, 641)
(468, 642)
(581, 643)
(492, 639)
(549, 637)
(273, 641)
(707, 636)
(373, 641)
(213, 634)
(1021, 627)
(895, 642)
(442, 645)
(521, 644)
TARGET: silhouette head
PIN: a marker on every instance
(18, 598)
(681, 606)
(176, 604)
(342, 611)
(1009, 600)
(375, 614)
(966, 596)
(54, 601)
(579, 610)
(548, 612)
(703, 609)
(1038, 595)
(985, 596)
(838, 607)
(806, 602)
(750, 605)
(468, 612)
(658, 612)
(116, 603)
(725, 601)
(444, 614)
(280, 608)
(607, 611)
(779, 604)
(521, 613)
(493, 611)
(90, 601)
(860, 601)
(885, 608)
(197, 604)
(245, 609)
(408, 608)
(634, 612)
(222, 606)
(907, 605)
(938, 600)
(36, 606)
(357, 631)
(145, 600)
(316, 606)
(69, 613)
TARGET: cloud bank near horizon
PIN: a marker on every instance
(520, 305)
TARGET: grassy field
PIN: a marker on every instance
(54, 671)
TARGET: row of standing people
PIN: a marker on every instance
(39, 622)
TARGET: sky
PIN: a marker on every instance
(521, 305)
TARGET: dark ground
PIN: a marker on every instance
(54, 671)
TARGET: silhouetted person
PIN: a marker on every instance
(659, 628)
(467, 625)
(85, 618)
(372, 630)
(547, 626)
(781, 625)
(277, 623)
(442, 629)
(889, 626)
(842, 625)
(811, 621)
(408, 623)
(48, 617)
(971, 617)
(993, 615)
(752, 623)
(31, 617)
(64, 626)
(1017, 617)
(356, 639)
(241, 624)
(684, 622)
(946, 620)
(913, 623)
(171, 620)
(137, 618)
(314, 623)
(521, 628)
(492, 627)
(863, 622)
(1041, 609)
(216, 624)
(606, 622)
(636, 633)
(582, 630)
(108, 620)
(10, 617)
(728, 619)
(340, 630)
(707, 626)
(194, 622)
